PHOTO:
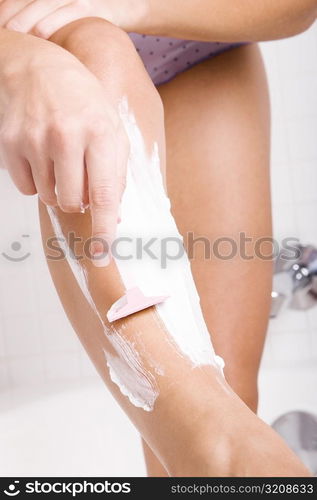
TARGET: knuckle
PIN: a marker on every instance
(102, 235)
(98, 127)
(33, 139)
(57, 129)
(40, 31)
(8, 139)
(69, 205)
(103, 196)
(100, 231)
(61, 132)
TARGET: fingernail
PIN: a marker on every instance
(101, 260)
(99, 252)
(83, 207)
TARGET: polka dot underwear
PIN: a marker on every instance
(165, 57)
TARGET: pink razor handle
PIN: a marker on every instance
(132, 301)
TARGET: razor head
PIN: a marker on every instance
(132, 301)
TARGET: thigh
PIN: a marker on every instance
(217, 129)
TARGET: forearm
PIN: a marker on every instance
(15, 47)
(86, 36)
(226, 20)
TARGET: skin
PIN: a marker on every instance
(44, 18)
(221, 20)
(231, 103)
(228, 20)
(71, 124)
(213, 446)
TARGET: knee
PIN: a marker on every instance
(306, 18)
(107, 45)
(109, 52)
(90, 32)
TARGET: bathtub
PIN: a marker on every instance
(77, 429)
(74, 430)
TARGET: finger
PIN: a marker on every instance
(103, 197)
(33, 13)
(17, 165)
(86, 190)
(9, 8)
(70, 178)
(58, 19)
(44, 179)
(21, 175)
(123, 151)
(34, 145)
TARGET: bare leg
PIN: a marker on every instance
(198, 425)
(225, 154)
(217, 129)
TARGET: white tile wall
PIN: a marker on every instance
(37, 345)
(21, 334)
(25, 371)
(289, 365)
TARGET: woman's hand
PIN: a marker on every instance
(60, 136)
(44, 17)
(219, 20)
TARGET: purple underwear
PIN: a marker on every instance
(165, 57)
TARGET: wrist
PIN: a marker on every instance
(22, 55)
(12, 51)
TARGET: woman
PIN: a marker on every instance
(63, 138)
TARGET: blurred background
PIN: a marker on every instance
(56, 417)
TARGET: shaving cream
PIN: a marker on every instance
(145, 214)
